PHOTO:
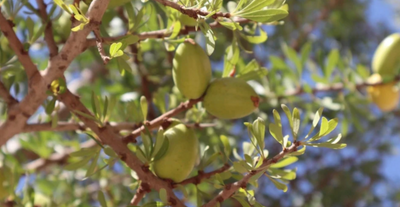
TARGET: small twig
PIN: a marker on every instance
(140, 193)
(6, 96)
(159, 120)
(48, 32)
(66, 126)
(202, 176)
(99, 43)
(229, 191)
(191, 12)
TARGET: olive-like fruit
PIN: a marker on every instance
(386, 59)
(187, 20)
(191, 70)
(386, 96)
(230, 98)
(181, 156)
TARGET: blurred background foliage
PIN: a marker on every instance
(334, 41)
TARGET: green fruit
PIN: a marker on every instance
(187, 20)
(191, 70)
(181, 156)
(230, 98)
(386, 59)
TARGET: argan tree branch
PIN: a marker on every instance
(107, 136)
(229, 190)
(140, 193)
(48, 32)
(202, 176)
(38, 85)
(6, 96)
(159, 34)
(191, 12)
(67, 126)
(159, 120)
(99, 43)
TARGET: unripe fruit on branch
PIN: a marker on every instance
(386, 59)
(230, 98)
(385, 96)
(181, 156)
(191, 70)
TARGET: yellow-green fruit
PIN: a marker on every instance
(181, 156)
(230, 98)
(386, 59)
(191, 70)
(187, 20)
(386, 96)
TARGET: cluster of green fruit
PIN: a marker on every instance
(224, 98)
(385, 65)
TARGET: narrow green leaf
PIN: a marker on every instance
(102, 199)
(276, 131)
(278, 184)
(256, 39)
(30, 25)
(50, 106)
(159, 142)
(231, 58)
(296, 123)
(316, 119)
(94, 107)
(239, 167)
(288, 114)
(333, 59)
(242, 201)
(79, 164)
(140, 154)
(161, 152)
(305, 52)
(284, 162)
(265, 15)
(210, 37)
(85, 152)
(210, 160)
(327, 145)
(227, 146)
(336, 139)
(110, 152)
(144, 107)
(299, 151)
(163, 195)
(93, 165)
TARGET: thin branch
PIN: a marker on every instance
(191, 12)
(108, 137)
(99, 43)
(161, 119)
(6, 96)
(56, 158)
(140, 193)
(38, 85)
(67, 126)
(48, 32)
(202, 176)
(159, 34)
(230, 189)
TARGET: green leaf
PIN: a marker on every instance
(239, 167)
(102, 199)
(154, 204)
(210, 160)
(79, 164)
(30, 25)
(255, 39)
(161, 152)
(144, 107)
(123, 66)
(305, 52)
(163, 195)
(176, 30)
(253, 75)
(93, 165)
(291, 54)
(255, 5)
(278, 184)
(50, 106)
(147, 142)
(276, 128)
(84, 152)
(288, 114)
(299, 151)
(128, 40)
(210, 37)
(266, 15)
(227, 146)
(333, 59)
(316, 119)
(231, 58)
(159, 142)
(140, 154)
(296, 123)
(283, 174)
(242, 201)
(110, 152)
(284, 162)
(327, 145)
(259, 132)
(336, 139)
(115, 49)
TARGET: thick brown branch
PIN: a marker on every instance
(202, 176)
(191, 12)
(228, 192)
(159, 120)
(38, 85)
(107, 136)
(48, 32)
(6, 96)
